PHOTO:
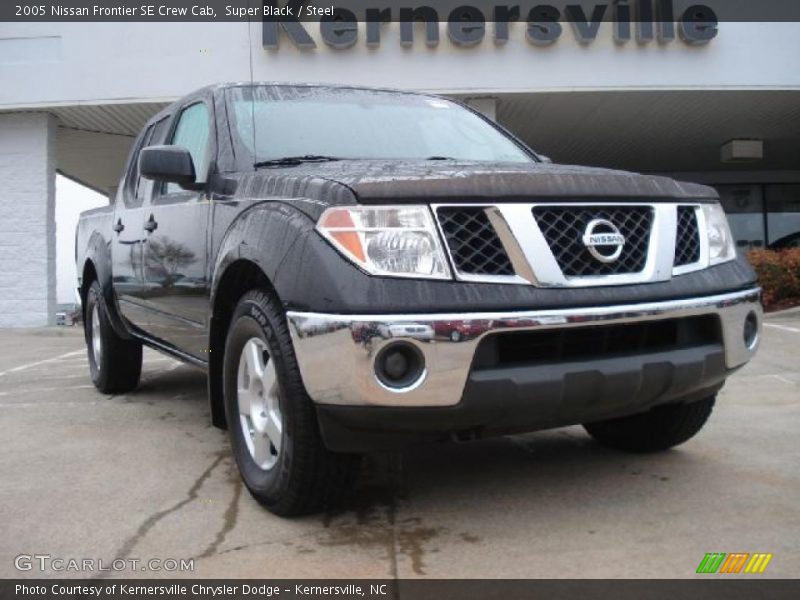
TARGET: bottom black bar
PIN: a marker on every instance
(733, 588)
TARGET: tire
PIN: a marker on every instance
(455, 335)
(115, 364)
(658, 429)
(272, 422)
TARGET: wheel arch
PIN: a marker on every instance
(88, 276)
(238, 278)
(253, 254)
(97, 267)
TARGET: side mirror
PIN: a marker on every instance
(545, 159)
(172, 164)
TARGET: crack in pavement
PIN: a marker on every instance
(151, 521)
(229, 518)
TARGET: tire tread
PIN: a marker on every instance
(121, 364)
(659, 429)
(320, 478)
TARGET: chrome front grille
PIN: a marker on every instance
(563, 227)
(566, 245)
(474, 244)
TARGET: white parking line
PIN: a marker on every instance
(53, 378)
(41, 362)
(782, 327)
(158, 359)
(779, 378)
(40, 404)
(47, 389)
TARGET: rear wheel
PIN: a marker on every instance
(271, 420)
(658, 429)
(115, 363)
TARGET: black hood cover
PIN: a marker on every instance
(383, 181)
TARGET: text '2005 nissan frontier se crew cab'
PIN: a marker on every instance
(358, 270)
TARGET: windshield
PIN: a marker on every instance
(274, 122)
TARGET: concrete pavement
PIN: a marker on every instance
(145, 476)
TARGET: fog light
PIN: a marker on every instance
(751, 331)
(395, 365)
(400, 366)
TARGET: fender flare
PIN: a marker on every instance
(264, 234)
(98, 252)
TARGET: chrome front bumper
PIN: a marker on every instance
(336, 353)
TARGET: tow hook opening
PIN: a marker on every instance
(400, 366)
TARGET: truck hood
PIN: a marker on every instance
(377, 181)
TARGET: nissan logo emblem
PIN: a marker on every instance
(603, 240)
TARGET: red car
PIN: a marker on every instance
(459, 330)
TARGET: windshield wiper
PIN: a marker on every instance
(441, 158)
(295, 160)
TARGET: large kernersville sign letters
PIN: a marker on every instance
(543, 24)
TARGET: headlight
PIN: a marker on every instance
(721, 246)
(393, 241)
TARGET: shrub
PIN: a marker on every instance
(779, 276)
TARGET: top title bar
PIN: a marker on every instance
(585, 12)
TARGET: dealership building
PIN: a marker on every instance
(714, 104)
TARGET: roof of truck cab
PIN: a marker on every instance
(237, 84)
(337, 86)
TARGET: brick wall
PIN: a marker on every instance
(27, 220)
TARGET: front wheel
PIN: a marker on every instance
(271, 420)
(658, 429)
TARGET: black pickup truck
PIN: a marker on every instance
(359, 270)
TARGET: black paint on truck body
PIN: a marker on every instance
(265, 217)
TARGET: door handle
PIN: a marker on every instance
(119, 226)
(151, 225)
